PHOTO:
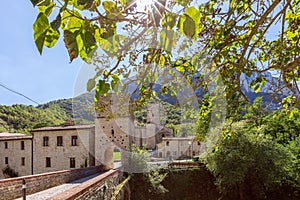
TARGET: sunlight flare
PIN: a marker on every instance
(144, 5)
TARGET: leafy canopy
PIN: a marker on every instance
(240, 37)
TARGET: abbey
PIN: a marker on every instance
(74, 146)
(115, 128)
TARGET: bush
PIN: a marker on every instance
(9, 172)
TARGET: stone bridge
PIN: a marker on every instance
(86, 183)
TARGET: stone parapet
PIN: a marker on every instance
(100, 187)
(12, 188)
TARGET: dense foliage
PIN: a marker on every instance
(256, 156)
(138, 39)
(256, 152)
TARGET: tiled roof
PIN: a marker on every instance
(57, 128)
(13, 136)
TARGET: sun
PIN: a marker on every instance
(144, 5)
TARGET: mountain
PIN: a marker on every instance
(273, 91)
(272, 85)
(21, 118)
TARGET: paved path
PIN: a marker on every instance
(43, 195)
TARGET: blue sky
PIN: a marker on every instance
(41, 77)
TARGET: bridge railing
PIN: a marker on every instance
(12, 188)
(100, 187)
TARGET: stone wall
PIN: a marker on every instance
(101, 187)
(20, 160)
(12, 188)
(60, 156)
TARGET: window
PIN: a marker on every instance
(72, 162)
(45, 141)
(168, 153)
(174, 153)
(59, 140)
(5, 145)
(48, 162)
(168, 143)
(6, 160)
(74, 140)
(23, 161)
(22, 145)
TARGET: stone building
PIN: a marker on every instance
(15, 152)
(152, 132)
(74, 146)
(178, 147)
(63, 147)
(114, 128)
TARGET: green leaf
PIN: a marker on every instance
(232, 4)
(183, 3)
(180, 68)
(189, 27)
(90, 84)
(55, 24)
(71, 44)
(51, 37)
(102, 87)
(86, 44)
(257, 88)
(169, 20)
(46, 7)
(168, 39)
(194, 14)
(70, 22)
(115, 81)
(123, 2)
(111, 9)
(86, 4)
(40, 29)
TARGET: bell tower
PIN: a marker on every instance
(113, 128)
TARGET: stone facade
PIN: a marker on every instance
(181, 147)
(60, 148)
(114, 127)
(153, 132)
(68, 147)
(15, 152)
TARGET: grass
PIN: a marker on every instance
(117, 156)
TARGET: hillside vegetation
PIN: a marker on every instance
(22, 118)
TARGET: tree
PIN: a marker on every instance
(137, 163)
(240, 37)
(248, 164)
